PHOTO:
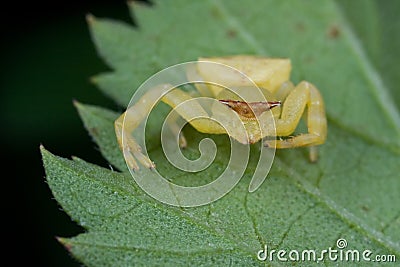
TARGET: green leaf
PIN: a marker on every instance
(100, 124)
(352, 192)
(390, 42)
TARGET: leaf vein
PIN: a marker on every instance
(253, 222)
(341, 212)
(292, 223)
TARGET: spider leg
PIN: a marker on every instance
(175, 129)
(136, 113)
(211, 116)
(304, 94)
(174, 116)
(130, 148)
(283, 91)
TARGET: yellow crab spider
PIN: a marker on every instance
(271, 75)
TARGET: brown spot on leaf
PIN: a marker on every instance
(299, 26)
(333, 32)
(94, 131)
(231, 33)
(215, 13)
(365, 208)
(309, 59)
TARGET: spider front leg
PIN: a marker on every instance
(304, 94)
(131, 149)
(174, 117)
(175, 129)
(136, 114)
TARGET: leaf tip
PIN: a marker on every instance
(78, 105)
(136, 3)
(44, 151)
(90, 18)
(47, 157)
(64, 241)
(41, 147)
(93, 80)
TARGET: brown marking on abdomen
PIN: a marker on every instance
(250, 110)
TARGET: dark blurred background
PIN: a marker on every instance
(47, 59)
